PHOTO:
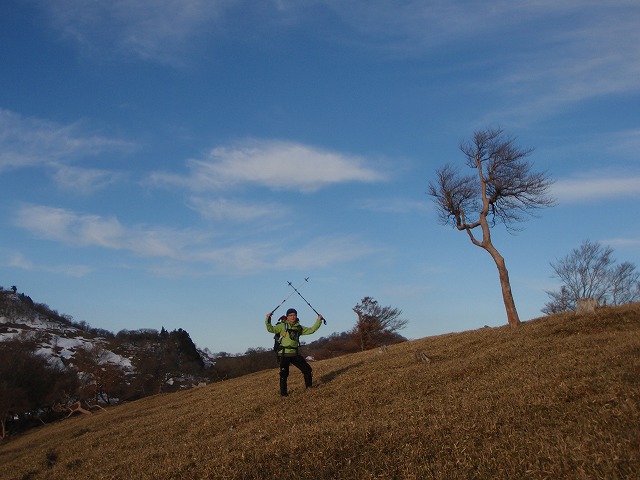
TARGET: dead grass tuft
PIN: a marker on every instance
(558, 397)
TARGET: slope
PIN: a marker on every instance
(558, 397)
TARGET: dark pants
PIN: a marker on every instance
(301, 364)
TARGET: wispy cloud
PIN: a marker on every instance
(395, 205)
(595, 51)
(277, 165)
(83, 180)
(154, 30)
(416, 27)
(18, 260)
(551, 54)
(236, 211)
(325, 251)
(626, 243)
(627, 142)
(596, 187)
(28, 142)
(182, 251)
(159, 30)
(86, 230)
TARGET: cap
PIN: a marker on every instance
(292, 310)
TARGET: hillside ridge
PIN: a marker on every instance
(558, 397)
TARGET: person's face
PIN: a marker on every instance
(291, 318)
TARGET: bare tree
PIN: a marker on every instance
(376, 324)
(97, 374)
(503, 189)
(28, 384)
(625, 284)
(590, 272)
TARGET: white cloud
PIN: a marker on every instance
(596, 187)
(275, 164)
(27, 142)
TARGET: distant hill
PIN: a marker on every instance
(557, 397)
(123, 366)
(53, 337)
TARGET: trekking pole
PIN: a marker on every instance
(296, 290)
(306, 280)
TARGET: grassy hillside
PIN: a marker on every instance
(557, 398)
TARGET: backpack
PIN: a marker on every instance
(276, 337)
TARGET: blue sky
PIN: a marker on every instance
(177, 163)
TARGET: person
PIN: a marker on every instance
(290, 331)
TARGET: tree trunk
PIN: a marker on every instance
(505, 284)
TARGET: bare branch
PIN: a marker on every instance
(454, 195)
(510, 190)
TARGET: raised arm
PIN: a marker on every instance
(313, 328)
(267, 322)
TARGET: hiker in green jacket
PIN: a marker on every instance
(287, 350)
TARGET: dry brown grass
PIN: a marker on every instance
(557, 398)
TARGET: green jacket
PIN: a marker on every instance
(290, 334)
